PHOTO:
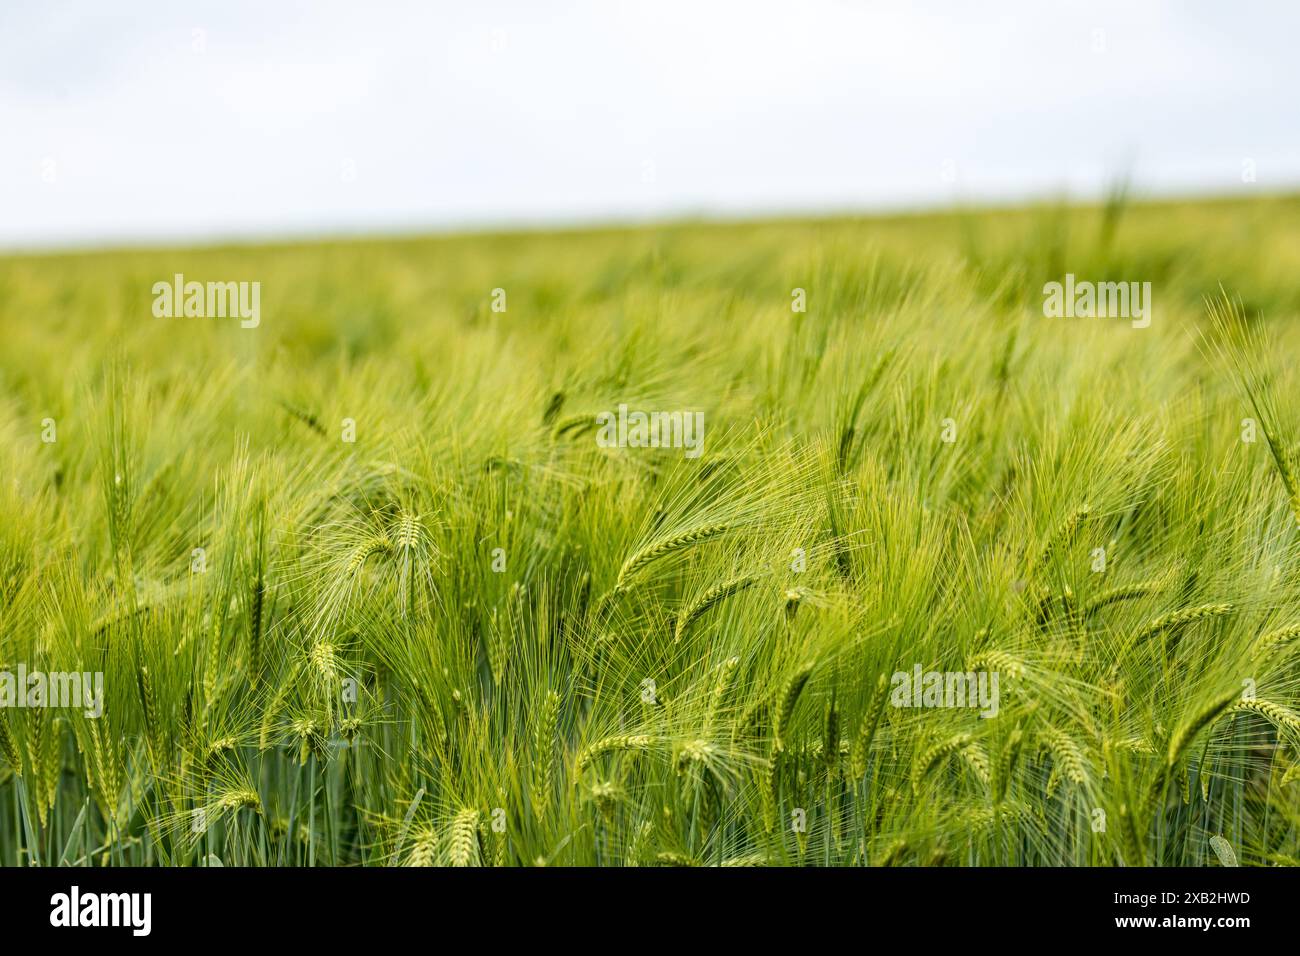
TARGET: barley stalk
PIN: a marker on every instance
(1122, 592)
(324, 661)
(107, 770)
(614, 744)
(934, 755)
(786, 701)
(978, 759)
(233, 800)
(1064, 535)
(1286, 469)
(257, 598)
(462, 842)
(1007, 764)
(544, 753)
(9, 748)
(1067, 754)
(423, 848)
(867, 729)
(1274, 641)
(1182, 739)
(1284, 719)
(152, 718)
(893, 852)
(831, 735)
(980, 820)
(998, 662)
(664, 547)
(1177, 619)
(673, 858)
(574, 425)
(1130, 840)
(708, 599)
(276, 704)
(717, 698)
(375, 544)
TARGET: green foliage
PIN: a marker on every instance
(670, 660)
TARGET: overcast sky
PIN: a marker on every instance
(138, 121)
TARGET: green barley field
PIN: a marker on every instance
(376, 583)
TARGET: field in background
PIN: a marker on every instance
(475, 635)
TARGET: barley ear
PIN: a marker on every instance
(1284, 719)
(708, 599)
(1123, 592)
(1007, 764)
(1067, 756)
(718, 696)
(9, 748)
(664, 547)
(934, 755)
(544, 754)
(462, 842)
(1064, 535)
(1275, 641)
(786, 701)
(867, 729)
(614, 744)
(1183, 738)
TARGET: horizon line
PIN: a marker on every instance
(508, 226)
